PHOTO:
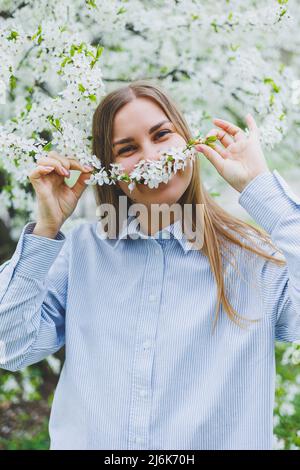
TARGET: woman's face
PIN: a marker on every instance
(134, 121)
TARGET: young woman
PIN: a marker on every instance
(143, 367)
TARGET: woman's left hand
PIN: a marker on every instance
(241, 159)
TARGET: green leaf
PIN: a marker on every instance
(47, 147)
(163, 69)
(37, 33)
(67, 60)
(72, 50)
(211, 138)
(271, 82)
(91, 3)
(234, 47)
(99, 51)
(12, 82)
(125, 177)
(283, 12)
(13, 36)
(215, 26)
(121, 10)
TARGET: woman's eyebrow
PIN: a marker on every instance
(152, 129)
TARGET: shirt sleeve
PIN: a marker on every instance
(272, 204)
(33, 289)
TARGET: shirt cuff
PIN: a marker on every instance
(268, 198)
(35, 254)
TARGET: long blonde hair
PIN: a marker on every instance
(222, 230)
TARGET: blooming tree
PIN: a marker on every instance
(58, 59)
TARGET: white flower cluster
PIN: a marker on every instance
(148, 172)
(292, 354)
(19, 153)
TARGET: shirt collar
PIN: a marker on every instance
(173, 230)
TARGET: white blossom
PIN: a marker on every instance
(287, 409)
(148, 172)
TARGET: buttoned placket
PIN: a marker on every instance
(140, 411)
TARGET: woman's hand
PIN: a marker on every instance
(56, 200)
(241, 159)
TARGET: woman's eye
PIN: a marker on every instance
(127, 149)
(163, 133)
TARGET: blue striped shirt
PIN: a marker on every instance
(142, 368)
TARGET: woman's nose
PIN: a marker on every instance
(150, 153)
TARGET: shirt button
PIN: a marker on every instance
(143, 393)
(147, 344)
(152, 297)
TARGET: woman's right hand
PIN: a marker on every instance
(56, 200)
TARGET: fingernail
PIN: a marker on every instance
(65, 171)
(88, 167)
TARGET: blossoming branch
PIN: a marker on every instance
(148, 172)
